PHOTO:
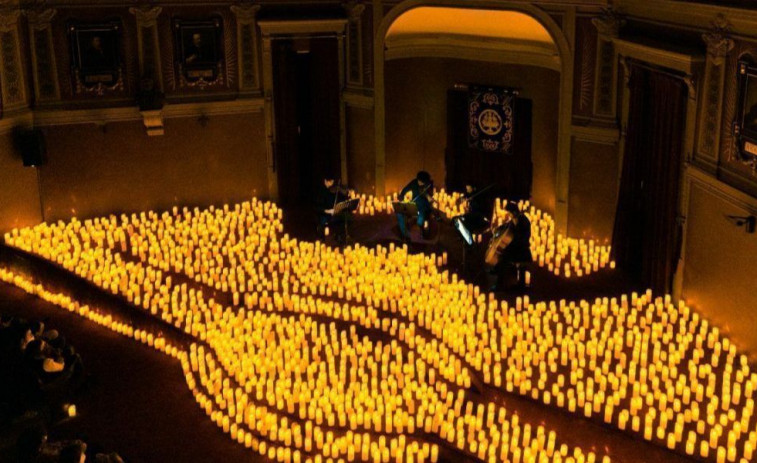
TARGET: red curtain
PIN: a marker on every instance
(646, 238)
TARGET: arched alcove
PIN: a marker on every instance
(517, 34)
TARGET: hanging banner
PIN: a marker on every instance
(490, 119)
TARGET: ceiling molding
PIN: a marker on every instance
(690, 15)
(474, 49)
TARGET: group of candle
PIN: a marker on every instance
(558, 254)
(281, 331)
(410, 396)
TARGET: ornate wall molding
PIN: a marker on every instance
(101, 116)
(606, 72)
(719, 45)
(12, 84)
(147, 44)
(44, 66)
(247, 47)
(354, 11)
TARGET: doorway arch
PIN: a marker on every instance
(565, 56)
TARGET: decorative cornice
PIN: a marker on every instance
(718, 40)
(18, 119)
(303, 26)
(609, 23)
(146, 17)
(131, 113)
(685, 63)
(596, 134)
(9, 20)
(40, 20)
(356, 99)
(245, 13)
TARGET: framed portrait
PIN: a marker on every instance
(96, 58)
(198, 52)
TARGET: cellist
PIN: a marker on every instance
(519, 249)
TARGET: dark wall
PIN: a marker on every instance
(416, 119)
(361, 153)
(93, 171)
(19, 198)
(594, 172)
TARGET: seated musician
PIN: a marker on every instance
(422, 190)
(329, 194)
(519, 249)
(477, 211)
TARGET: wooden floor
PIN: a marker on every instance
(137, 404)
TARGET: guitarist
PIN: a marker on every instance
(422, 188)
(519, 249)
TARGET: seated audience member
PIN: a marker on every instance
(73, 452)
(43, 358)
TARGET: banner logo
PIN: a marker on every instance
(490, 119)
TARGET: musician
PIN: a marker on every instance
(477, 210)
(329, 194)
(422, 190)
(519, 249)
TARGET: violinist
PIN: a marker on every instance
(329, 194)
(517, 252)
(422, 190)
(476, 209)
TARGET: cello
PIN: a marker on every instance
(501, 239)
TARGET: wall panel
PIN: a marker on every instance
(94, 171)
(593, 190)
(720, 262)
(19, 197)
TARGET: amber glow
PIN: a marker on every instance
(511, 26)
(302, 352)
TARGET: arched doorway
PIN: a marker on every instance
(530, 37)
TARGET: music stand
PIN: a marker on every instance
(406, 208)
(465, 234)
(349, 205)
(343, 209)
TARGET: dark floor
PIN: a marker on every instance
(137, 403)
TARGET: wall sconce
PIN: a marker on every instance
(747, 222)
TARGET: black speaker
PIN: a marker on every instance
(30, 144)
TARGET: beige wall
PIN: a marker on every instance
(93, 171)
(19, 197)
(416, 116)
(719, 273)
(593, 190)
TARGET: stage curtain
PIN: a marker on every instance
(646, 237)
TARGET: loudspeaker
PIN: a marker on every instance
(30, 144)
